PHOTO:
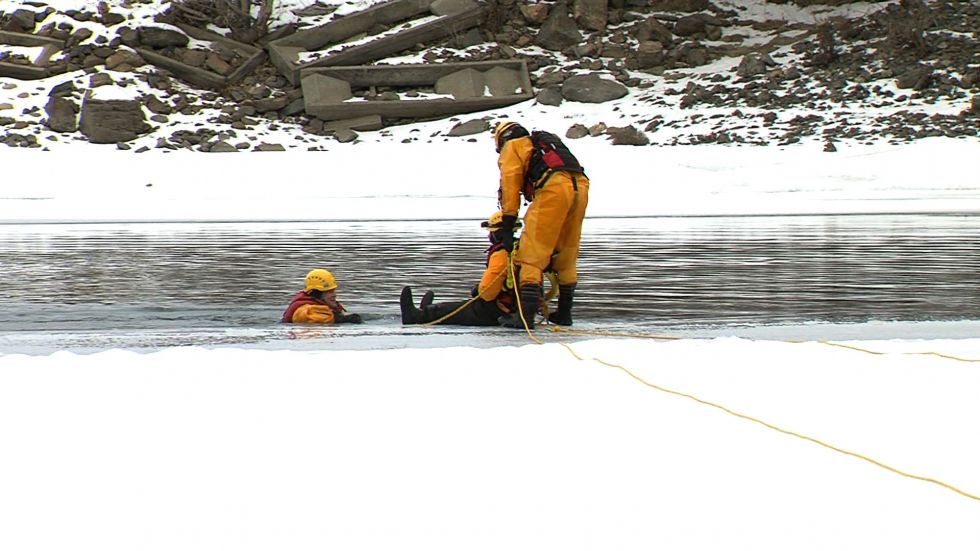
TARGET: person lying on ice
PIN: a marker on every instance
(493, 298)
(317, 302)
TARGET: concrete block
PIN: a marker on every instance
(329, 42)
(468, 83)
(321, 89)
(468, 77)
(503, 82)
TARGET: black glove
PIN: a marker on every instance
(475, 291)
(506, 232)
(506, 239)
(349, 318)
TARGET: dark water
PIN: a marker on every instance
(209, 283)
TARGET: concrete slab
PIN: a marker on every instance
(200, 76)
(40, 67)
(351, 40)
(322, 89)
(413, 80)
(468, 83)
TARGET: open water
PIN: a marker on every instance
(89, 287)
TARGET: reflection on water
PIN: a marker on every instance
(668, 272)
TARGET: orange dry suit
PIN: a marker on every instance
(305, 309)
(553, 221)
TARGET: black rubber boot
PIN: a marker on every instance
(566, 296)
(427, 299)
(529, 295)
(410, 314)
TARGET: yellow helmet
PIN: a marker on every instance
(496, 220)
(507, 130)
(320, 280)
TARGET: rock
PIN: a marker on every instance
(576, 131)
(218, 65)
(690, 25)
(344, 135)
(649, 54)
(469, 128)
(156, 105)
(652, 29)
(628, 135)
(221, 146)
(111, 121)
(550, 95)
(559, 30)
(194, 58)
(21, 21)
(269, 147)
(65, 89)
(684, 6)
(96, 80)
(159, 37)
(754, 64)
(592, 89)
(918, 77)
(61, 114)
(592, 15)
(124, 57)
(535, 14)
(266, 105)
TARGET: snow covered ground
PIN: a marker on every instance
(518, 447)
(529, 447)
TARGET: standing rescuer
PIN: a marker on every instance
(317, 302)
(540, 167)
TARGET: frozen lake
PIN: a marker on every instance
(88, 287)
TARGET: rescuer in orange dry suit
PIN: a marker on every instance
(317, 302)
(492, 298)
(538, 166)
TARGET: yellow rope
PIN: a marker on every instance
(557, 329)
(757, 420)
(782, 430)
(876, 353)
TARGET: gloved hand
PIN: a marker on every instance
(349, 318)
(506, 232)
(506, 239)
(475, 291)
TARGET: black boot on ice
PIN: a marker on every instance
(566, 295)
(427, 299)
(528, 296)
(410, 314)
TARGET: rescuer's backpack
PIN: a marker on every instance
(549, 155)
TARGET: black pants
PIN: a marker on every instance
(478, 312)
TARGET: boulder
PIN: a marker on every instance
(61, 114)
(650, 54)
(592, 15)
(20, 21)
(469, 128)
(112, 120)
(627, 135)
(754, 64)
(918, 77)
(690, 25)
(559, 30)
(159, 37)
(550, 95)
(592, 89)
